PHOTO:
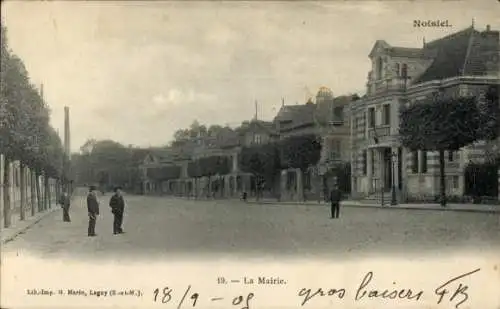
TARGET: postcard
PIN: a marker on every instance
(250, 154)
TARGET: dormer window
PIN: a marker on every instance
(257, 139)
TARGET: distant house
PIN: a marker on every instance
(257, 132)
(293, 120)
(160, 166)
(328, 118)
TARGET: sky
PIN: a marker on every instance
(135, 72)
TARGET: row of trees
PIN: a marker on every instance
(25, 132)
(198, 130)
(265, 161)
(107, 163)
(447, 124)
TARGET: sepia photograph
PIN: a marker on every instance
(250, 154)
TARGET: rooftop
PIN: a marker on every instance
(461, 53)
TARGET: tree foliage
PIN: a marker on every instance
(262, 161)
(25, 131)
(481, 179)
(441, 124)
(108, 163)
(193, 169)
(490, 114)
(209, 166)
(164, 173)
(198, 130)
(300, 151)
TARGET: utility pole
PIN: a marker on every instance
(256, 111)
(67, 152)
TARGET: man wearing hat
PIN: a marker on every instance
(117, 205)
(93, 210)
(335, 198)
(65, 202)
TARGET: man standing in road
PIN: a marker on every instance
(335, 198)
(93, 209)
(117, 205)
(64, 201)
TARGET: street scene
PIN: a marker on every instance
(200, 131)
(159, 228)
(344, 158)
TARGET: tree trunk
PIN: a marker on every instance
(45, 192)
(26, 176)
(38, 192)
(49, 192)
(442, 179)
(22, 207)
(209, 193)
(33, 192)
(57, 190)
(6, 193)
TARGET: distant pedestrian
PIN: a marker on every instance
(64, 201)
(117, 205)
(93, 209)
(335, 198)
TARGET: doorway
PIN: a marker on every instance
(387, 165)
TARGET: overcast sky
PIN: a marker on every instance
(135, 72)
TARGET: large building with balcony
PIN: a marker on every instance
(463, 63)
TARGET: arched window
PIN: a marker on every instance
(404, 70)
(380, 64)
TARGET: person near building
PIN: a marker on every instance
(117, 205)
(335, 198)
(93, 210)
(65, 202)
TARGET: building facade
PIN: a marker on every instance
(327, 117)
(461, 64)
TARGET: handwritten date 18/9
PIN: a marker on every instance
(166, 295)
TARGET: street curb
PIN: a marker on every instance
(388, 207)
(29, 225)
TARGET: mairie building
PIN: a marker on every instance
(463, 63)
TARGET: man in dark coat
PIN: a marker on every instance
(93, 209)
(64, 201)
(117, 205)
(335, 198)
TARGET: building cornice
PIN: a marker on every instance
(452, 81)
(427, 86)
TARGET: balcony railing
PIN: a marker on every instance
(452, 165)
(336, 122)
(381, 131)
(394, 84)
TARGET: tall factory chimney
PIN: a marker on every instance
(67, 186)
(67, 148)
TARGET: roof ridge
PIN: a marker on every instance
(451, 35)
(467, 54)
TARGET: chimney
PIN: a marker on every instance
(67, 148)
(488, 28)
